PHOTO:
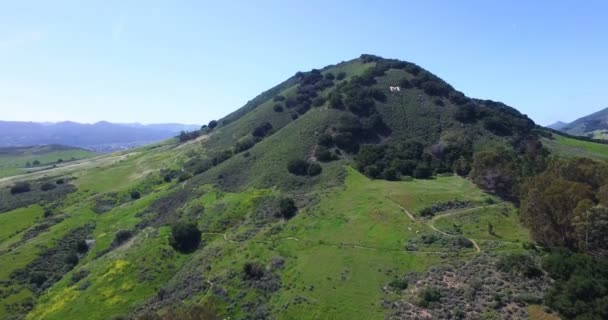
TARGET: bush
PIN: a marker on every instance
(81, 246)
(398, 284)
(20, 187)
(519, 263)
(314, 169)
(262, 130)
(212, 124)
(47, 186)
(185, 237)
(59, 181)
(244, 144)
(278, 108)
(287, 208)
(121, 237)
(298, 167)
(422, 171)
(341, 76)
(327, 141)
(323, 154)
(427, 296)
(278, 98)
(135, 195)
(253, 271)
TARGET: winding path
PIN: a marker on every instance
(410, 215)
(431, 221)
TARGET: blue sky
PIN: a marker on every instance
(193, 61)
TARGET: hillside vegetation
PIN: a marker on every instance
(19, 160)
(328, 196)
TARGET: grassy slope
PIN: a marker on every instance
(573, 147)
(14, 164)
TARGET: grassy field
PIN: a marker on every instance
(573, 147)
(13, 160)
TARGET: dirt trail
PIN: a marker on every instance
(430, 224)
(411, 216)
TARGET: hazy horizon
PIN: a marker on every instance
(184, 63)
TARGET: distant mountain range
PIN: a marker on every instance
(102, 136)
(593, 126)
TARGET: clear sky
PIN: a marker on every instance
(193, 61)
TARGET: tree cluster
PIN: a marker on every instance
(567, 205)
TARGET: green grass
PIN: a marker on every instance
(16, 221)
(474, 223)
(14, 162)
(573, 147)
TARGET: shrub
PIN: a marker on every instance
(314, 169)
(329, 76)
(427, 296)
(398, 284)
(287, 208)
(135, 195)
(244, 144)
(185, 237)
(278, 98)
(36, 163)
(327, 141)
(262, 130)
(519, 263)
(341, 76)
(323, 154)
(20, 187)
(253, 271)
(82, 246)
(278, 108)
(59, 181)
(422, 171)
(298, 167)
(47, 186)
(121, 237)
(212, 124)
(405, 83)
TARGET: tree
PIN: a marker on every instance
(212, 124)
(341, 76)
(548, 206)
(20, 187)
(591, 228)
(36, 163)
(135, 195)
(185, 237)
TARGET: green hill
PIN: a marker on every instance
(333, 195)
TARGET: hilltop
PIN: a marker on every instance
(367, 189)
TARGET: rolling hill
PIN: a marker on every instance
(593, 126)
(102, 136)
(20, 160)
(369, 189)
